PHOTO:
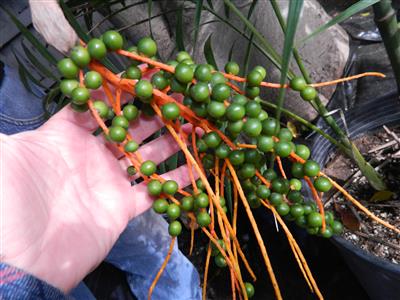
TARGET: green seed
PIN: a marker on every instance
(170, 111)
(216, 109)
(160, 206)
(154, 187)
(187, 203)
(253, 109)
(322, 184)
(212, 139)
(220, 261)
(131, 146)
(311, 168)
(143, 89)
(120, 121)
(252, 127)
(80, 95)
(314, 219)
(203, 219)
(184, 73)
(283, 149)
(270, 126)
(173, 211)
(298, 84)
(175, 228)
(133, 72)
(308, 93)
(303, 151)
(102, 108)
(200, 92)
(170, 187)
(68, 68)
(147, 47)
(148, 168)
(130, 112)
(232, 68)
(97, 49)
(113, 40)
(203, 73)
(201, 200)
(68, 85)
(80, 56)
(220, 92)
(249, 289)
(117, 134)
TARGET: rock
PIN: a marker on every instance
(324, 56)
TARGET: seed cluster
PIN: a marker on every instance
(242, 146)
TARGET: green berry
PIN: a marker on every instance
(254, 78)
(314, 219)
(216, 78)
(220, 92)
(297, 170)
(236, 157)
(337, 227)
(80, 95)
(240, 100)
(280, 185)
(301, 221)
(184, 73)
(203, 73)
(68, 85)
(79, 108)
(263, 192)
(322, 184)
(265, 143)
(249, 289)
(148, 168)
(247, 171)
(212, 139)
(283, 209)
(276, 199)
(298, 84)
(200, 92)
(252, 127)
(295, 196)
(235, 112)
(303, 151)
(102, 108)
(295, 184)
(131, 146)
(222, 151)
(220, 261)
(208, 161)
(253, 109)
(308, 93)
(147, 47)
(261, 70)
(285, 135)
(252, 92)
(296, 210)
(143, 89)
(232, 68)
(173, 211)
(160, 206)
(80, 56)
(133, 72)
(177, 86)
(201, 200)
(117, 134)
(154, 187)
(175, 228)
(187, 203)
(97, 49)
(308, 208)
(68, 68)
(93, 80)
(120, 121)
(170, 187)
(159, 81)
(203, 219)
(327, 233)
(170, 111)
(182, 55)
(270, 174)
(130, 112)
(113, 40)
(216, 109)
(282, 148)
(270, 126)
(311, 168)
(235, 127)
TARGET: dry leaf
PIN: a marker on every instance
(292, 128)
(348, 218)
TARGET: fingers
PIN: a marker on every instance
(49, 20)
(143, 201)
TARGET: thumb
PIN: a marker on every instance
(49, 20)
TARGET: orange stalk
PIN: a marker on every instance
(206, 272)
(256, 231)
(279, 161)
(171, 248)
(318, 201)
(321, 84)
(248, 146)
(118, 101)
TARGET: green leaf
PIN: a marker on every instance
(179, 30)
(25, 74)
(199, 9)
(228, 195)
(37, 64)
(247, 57)
(72, 21)
(31, 38)
(368, 171)
(149, 11)
(351, 11)
(172, 162)
(210, 4)
(292, 21)
(208, 53)
(51, 95)
(226, 11)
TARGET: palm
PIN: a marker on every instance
(70, 197)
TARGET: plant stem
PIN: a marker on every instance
(349, 148)
(385, 19)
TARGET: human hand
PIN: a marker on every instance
(65, 197)
(49, 20)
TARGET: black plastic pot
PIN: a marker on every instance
(380, 278)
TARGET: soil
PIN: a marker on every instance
(359, 229)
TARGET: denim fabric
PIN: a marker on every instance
(142, 247)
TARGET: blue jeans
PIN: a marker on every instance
(142, 247)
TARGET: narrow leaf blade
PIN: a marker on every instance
(351, 11)
(209, 54)
(199, 9)
(179, 30)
